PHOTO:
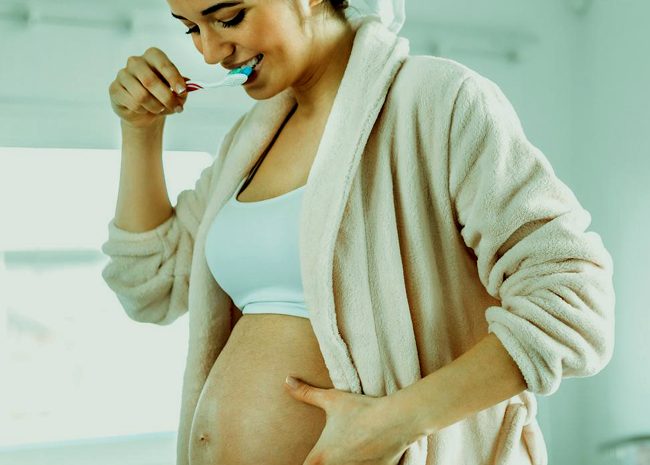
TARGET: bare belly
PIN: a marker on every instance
(244, 416)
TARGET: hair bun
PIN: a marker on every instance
(339, 5)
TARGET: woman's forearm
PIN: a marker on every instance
(480, 378)
(142, 201)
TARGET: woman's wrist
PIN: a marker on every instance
(142, 131)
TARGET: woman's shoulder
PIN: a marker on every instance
(431, 79)
(430, 72)
(433, 86)
(441, 67)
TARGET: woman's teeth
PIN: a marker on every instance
(254, 61)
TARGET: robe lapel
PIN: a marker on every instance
(377, 54)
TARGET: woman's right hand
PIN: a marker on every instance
(141, 93)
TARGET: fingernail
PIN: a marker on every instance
(291, 381)
(179, 89)
(178, 109)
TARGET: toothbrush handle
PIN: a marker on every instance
(226, 81)
(192, 86)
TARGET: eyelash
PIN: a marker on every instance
(235, 21)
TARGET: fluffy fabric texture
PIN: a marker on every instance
(428, 220)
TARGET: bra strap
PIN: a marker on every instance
(266, 151)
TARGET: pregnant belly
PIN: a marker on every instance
(244, 415)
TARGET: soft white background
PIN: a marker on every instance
(81, 383)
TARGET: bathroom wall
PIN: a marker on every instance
(612, 172)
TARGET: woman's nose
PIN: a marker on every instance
(214, 48)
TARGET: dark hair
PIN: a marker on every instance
(335, 7)
(339, 7)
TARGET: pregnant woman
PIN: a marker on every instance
(377, 225)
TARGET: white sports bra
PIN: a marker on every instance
(252, 251)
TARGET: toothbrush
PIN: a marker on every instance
(235, 77)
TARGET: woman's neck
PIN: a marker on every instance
(316, 95)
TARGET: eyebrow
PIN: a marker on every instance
(211, 9)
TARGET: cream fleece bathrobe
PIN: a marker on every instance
(428, 221)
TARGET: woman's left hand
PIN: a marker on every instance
(359, 429)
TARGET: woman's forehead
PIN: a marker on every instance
(203, 7)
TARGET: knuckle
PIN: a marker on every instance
(149, 80)
(142, 97)
(306, 392)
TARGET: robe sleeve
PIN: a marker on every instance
(149, 271)
(528, 233)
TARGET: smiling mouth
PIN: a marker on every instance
(259, 59)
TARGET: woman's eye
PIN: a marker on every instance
(233, 22)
